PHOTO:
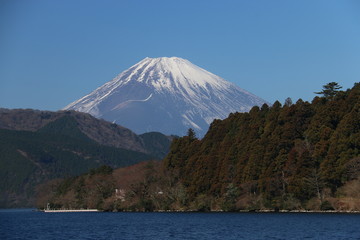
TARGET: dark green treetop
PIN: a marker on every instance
(191, 134)
(330, 90)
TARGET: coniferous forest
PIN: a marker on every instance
(290, 156)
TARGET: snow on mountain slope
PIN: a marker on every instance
(167, 95)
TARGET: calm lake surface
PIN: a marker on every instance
(27, 224)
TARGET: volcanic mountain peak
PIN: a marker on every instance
(168, 95)
(169, 74)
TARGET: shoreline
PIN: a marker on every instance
(185, 211)
(244, 211)
(300, 211)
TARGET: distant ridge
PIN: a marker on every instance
(102, 132)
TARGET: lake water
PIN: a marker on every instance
(27, 224)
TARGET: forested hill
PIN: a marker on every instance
(38, 146)
(283, 156)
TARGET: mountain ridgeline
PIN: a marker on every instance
(100, 131)
(36, 146)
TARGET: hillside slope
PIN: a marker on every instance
(274, 156)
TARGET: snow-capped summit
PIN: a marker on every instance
(168, 95)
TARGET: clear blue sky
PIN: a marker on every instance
(53, 52)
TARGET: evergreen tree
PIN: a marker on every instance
(330, 90)
(191, 134)
(288, 102)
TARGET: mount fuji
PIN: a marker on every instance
(168, 95)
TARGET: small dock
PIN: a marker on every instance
(70, 210)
